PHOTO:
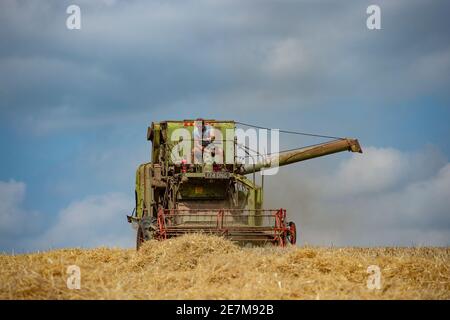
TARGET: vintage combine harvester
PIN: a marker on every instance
(195, 183)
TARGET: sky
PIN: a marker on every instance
(75, 106)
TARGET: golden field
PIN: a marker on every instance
(207, 267)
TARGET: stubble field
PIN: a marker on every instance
(206, 267)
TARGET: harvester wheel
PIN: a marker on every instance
(145, 231)
(292, 233)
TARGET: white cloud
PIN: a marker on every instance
(375, 170)
(288, 57)
(382, 197)
(92, 222)
(12, 215)
(16, 221)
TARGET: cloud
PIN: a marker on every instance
(377, 170)
(287, 58)
(91, 222)
(382, 197)
(16, 221)
(383, 169)
(12, 215)
(132, 57)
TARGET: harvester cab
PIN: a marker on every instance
(196, 183)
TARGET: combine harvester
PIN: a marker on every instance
(188, 190)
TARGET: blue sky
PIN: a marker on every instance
(75, 105)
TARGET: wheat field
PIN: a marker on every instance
(208, 267)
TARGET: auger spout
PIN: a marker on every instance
(302, 154)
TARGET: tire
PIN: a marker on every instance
(146, 230)
(292, 234)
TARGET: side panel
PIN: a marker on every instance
(148, 191)
(144, 192)
(139, 193)
(254, 200)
